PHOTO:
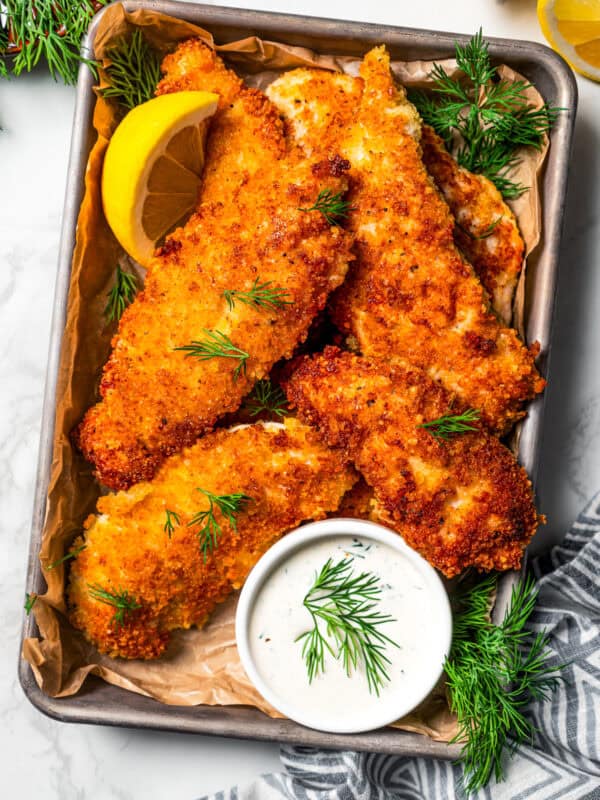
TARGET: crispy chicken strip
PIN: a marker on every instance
(486, 230)
(410, 293)
(249, 230)
(461, 502)
(129, 553)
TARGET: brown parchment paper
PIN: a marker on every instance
(201, 666)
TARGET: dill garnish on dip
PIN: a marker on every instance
(342, 627)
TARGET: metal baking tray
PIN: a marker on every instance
(100, 703)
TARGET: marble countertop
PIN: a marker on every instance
(44, 758)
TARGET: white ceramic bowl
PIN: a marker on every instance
(366, 716)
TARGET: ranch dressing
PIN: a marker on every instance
(334, 699)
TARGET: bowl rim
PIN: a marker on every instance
(375, 716)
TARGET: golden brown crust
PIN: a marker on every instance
(409, 293)
(462, 502)
(486, 230)
(248, 226)
(291, 478)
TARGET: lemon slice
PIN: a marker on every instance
(573, 29)
(152, 168)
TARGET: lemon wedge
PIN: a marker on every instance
(152, 168)
(573, 29)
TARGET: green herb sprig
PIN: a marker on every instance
(331, 206)
(121, 295)
(210, 528)
(122, 601)
(133, 72)
(486, 233)
(493, 672)
(30, 599)
(45, 29)
(492, 116)
(260, 295)
(452, 424)
(216, 345)
(171, 520)
(346, 624)
(71, 554)
(265, 397)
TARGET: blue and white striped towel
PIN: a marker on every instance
(563, 760)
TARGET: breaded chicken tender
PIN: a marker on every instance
(461, 502)
(486, 230)
(157, 571)
(249, 231)
(410, 293)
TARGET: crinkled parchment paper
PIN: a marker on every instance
(201, 666)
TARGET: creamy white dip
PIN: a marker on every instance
(335, 700)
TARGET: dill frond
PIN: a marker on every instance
(216, 345)
(122, 601)
(260, 295)
(452, 424)
(268, 398)
(121, 295)
(71, 554)
(331, 206)
(346, 624)
(133, 72)
(210, 530)
(492, 116)
(493, 672)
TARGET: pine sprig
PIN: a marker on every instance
(216, 345)
(71, 554)
(122, 601)
(265, 397)
(493, 672)
(121, 295)
(172, 519)
(452, 424)
(346, 624)
(331, 206)
(492, 116)
(229, 505)
(133, 71)
(260, 295)
(45, 29)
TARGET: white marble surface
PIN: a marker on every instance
(43, 758)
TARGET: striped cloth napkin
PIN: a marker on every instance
(563, 760)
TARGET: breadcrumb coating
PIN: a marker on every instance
(249, 226)
(486, 230)
(464, 502)
(290, 476)
(410, 293)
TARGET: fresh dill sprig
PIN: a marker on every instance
(345, 624)
(331, 206)
(266, 397)
(121, 295)
(122, 601)
(260, 295)
(30, 599)
(452, 424)
(169, 527)
(486, 233)
(492, 116)
(210, 528)
(71, 554)
(133, 71)
(493, 672)
(4, 43)
(45, 29)
(216, 345)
